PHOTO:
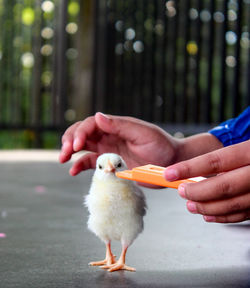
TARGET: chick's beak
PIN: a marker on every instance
(109, 167)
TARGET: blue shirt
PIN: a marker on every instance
(235, 130)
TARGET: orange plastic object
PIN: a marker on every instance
(152, 174)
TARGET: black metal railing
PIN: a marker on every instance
(175, 62)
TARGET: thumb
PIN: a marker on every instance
(127, 128)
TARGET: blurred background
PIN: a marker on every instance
(184, 65)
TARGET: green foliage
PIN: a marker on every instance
(15, 139)
(73, 8)
(27, 138)
(28, 16)
(27, 38)
(51, 140)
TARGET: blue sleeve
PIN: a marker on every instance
(235, 130)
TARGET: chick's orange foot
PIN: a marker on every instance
(118, 266)
(107, 261)
(98, 263)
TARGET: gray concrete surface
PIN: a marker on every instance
(47, 243)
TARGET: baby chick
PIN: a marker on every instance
(116, 209)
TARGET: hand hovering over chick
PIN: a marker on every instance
(137, 141)
(224, 198)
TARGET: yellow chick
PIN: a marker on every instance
(116, 209)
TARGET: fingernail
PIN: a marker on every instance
(181, 191)
(77, 144)
(191, 207)
(209, 218)
(171, 174)
(105, 116)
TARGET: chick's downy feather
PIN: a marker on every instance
(116, 206)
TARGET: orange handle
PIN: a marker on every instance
(152, 174)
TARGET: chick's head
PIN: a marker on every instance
(108, 164)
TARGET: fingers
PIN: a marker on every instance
(76, 136)
(85, 130)
(87, 161)
(224, 159)
(223, 186)
(220, 208)
(230, 218)
(67, 141)
(88, 134)
(127, 128)
(66, 152)
(69, 133)
(223, 199)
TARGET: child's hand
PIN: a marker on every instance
(137, 141)
(224, 198)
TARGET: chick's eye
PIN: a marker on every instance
(119, 165)
(100, 166)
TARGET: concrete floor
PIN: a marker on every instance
(44, 241)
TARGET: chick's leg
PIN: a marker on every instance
(120, 264)
(109, 260)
